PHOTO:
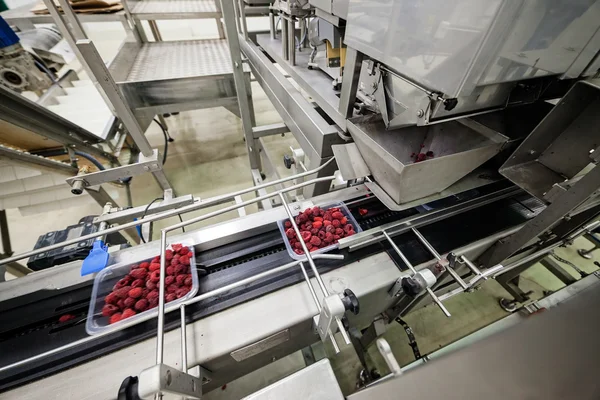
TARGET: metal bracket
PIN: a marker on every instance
(161, 378)
(145, 164)
(118, 215)
(332, 308)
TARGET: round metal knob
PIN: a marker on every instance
(350, 302)
(288, 161)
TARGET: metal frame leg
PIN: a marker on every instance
(5, 234)
(350, 80)
(228, 10)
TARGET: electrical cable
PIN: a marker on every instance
(144, 214)
(166, 135)
(98, 164)
(569, 263)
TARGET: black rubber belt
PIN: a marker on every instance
(412, 341)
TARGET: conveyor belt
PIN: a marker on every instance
(29, 324)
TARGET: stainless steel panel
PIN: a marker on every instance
(562, 145)
(315, 382)
(315, 82)
(314, 133)
(457, 150)
(454, 46)
(350, 162)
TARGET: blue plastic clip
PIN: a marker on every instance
(96, 260)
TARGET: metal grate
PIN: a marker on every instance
(174, 6)
(185, 59)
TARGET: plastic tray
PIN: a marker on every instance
(103, 285)
(327, 206)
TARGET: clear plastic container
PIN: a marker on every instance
(103, 285)
(344, 210)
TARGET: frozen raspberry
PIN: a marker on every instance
(318, 219)
(363, 211)
(150, 285)
(179, 279)
(125, 281)
(183, 251)
(315, 241)
(185, 260)
(182, 292)
(317, 224)
(344, 221)
(121, 304)
(153, 302)
(350, 233)
(154, 276)
(137, 283)
(141, 305)
(298, 245)
(326, 223)
(336, 238)
(168, 255)
(316, 211)
(171, 297)
(339, 231)
(136, 293)
(175, 262)
(145, 265)
(122, 293)
(315, 248)
(321, 235)
(169, 280)
(139, 273)
(179, 269)
(111, 298)
(172, 288)
(66, 317)
(116, 317)
(314, 231)
(308, 212)
(298, 251)
(328, 237)
(327, 216)
(129, 302)
(287, 224)
(337, 215)
(309, 245)
(188, 280)
(109, 309)
(290, 233)
(152, 294)
(336, 223)
(170, 270)
(128, 312)
(348, 228)
(306, 235)
(133, 266)
(308, 226)
(176, 247)
(154, 267)
(156, 260)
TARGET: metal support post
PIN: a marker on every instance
(227, 7)
(272, 25)
(350, 78)
(4, 233)
(284, 38)
(292, 40)
(155, 31)
(558, 209)
(302, 43)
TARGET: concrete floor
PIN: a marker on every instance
(208, 158)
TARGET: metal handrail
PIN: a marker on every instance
(192, 207)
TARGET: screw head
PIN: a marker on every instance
(420, 113)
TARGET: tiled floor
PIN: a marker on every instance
(208, 158)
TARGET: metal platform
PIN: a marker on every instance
(174, 9)
(175, 76)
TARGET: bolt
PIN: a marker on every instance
(374, 85)
(237, 65)
(532, 152)
(420, 113)
(146, 168)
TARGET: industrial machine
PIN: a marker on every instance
(461, 136)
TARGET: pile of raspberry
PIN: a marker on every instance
(137, 291)
(319, 228)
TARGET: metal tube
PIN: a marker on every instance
(6, 245)
(243, 18)
(316, 299)
(272, 25)
(457, 278)
(161, 300)
(438, 302)
(284, 38)
(426, 244)
(401, 254)
(183, 339)
(302, 33)
(470, 265)
(292, 40)
(156, 217)
(310, 287)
